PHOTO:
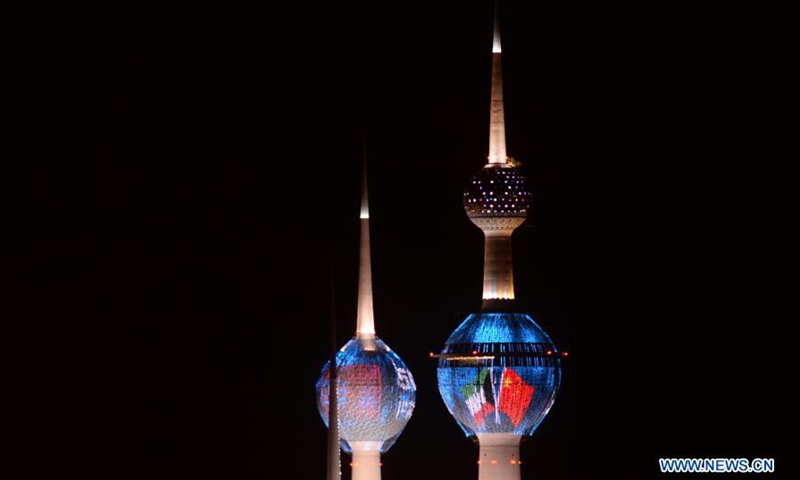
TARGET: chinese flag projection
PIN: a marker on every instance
(515, 396)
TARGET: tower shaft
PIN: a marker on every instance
(499, 456)
(498, 275)
(334, 446)
(366, 461)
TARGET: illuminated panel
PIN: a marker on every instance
(515, 396)
(360, 390)
(479, 396)
(495, 375)
(376, 392)
(497, 192)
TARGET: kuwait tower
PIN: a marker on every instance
(375, 391)
(499, 372)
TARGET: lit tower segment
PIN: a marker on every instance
(499, 372)
(496, 199)
(376, 391)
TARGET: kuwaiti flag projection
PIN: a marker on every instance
(512, 399)
(479, 395)
(515, 396)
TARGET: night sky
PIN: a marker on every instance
(193, 177)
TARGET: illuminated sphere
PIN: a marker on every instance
(497, 191)
(509, 393)
(377, 393)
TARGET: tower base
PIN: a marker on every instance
(499, 456)
(366, 460)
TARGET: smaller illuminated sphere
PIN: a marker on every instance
(499, 373)
(376, 390)
(497, 190)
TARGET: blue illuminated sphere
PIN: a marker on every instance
(377, 393)
(499, 373)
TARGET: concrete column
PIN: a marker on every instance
(498, 277)
(499, 456)
(334, 440)
(366, 464)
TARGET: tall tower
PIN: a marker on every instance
(499, 372)
(375, 390)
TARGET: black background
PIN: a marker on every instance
(193, 173)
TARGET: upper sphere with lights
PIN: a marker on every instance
(376, 390)
(496, 195)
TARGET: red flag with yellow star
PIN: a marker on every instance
(515, 396)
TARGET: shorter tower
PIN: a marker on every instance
(376, 391)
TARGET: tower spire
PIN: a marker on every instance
(366, 320)
(364, 200)
(496, 40)
(497, 123)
